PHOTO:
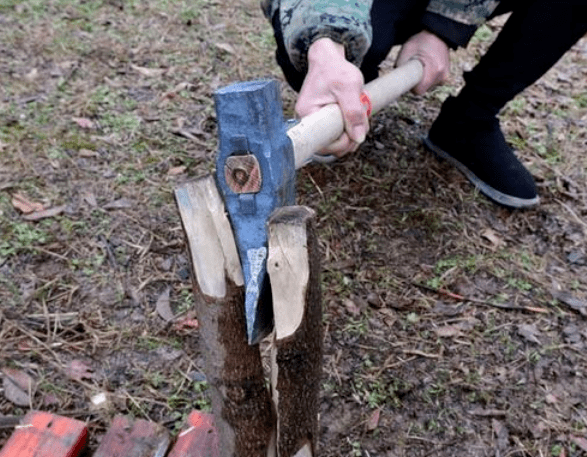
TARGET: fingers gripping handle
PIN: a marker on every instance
(320, 129)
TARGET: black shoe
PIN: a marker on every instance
(478, 149)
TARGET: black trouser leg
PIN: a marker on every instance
(534, 38)
(393, 22)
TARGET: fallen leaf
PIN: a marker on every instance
(24, 205)
(571, 301)
(18, 386)
(579, 441)
(51, 212)
(163, 307)
(492, 237)
(168, 353)
(83, 122)
(32, 75)
(78, 370)
(182, 86)
(226, 47)
(176, 170)
(529, 332)
(186, 323)
(351, 307)
(373, 421)
(90, 199)
(149, 72)
(448, 331)
(501, 433)
(118, 204)
(51, 400)
(550, 399)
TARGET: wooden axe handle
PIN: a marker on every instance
(323, 127)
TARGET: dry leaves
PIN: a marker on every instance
(121, 203)
(51, 212)
(34, 211)
(176, 170)
(187, 323)
(25, 205)
(448, 331)
(19, 387)
(529, 332)
(150, 72)
(163, 306)
(373, 420)
(78, 371)
(83, 122)
(226, 48)
(490, 235)
(571, 301)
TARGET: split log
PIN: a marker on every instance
(240, 401)
(294, 272)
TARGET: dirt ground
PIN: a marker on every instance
(453, 327)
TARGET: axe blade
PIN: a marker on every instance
(255, 172)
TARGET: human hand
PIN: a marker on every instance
(434, 55)
(333, 79)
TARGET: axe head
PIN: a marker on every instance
(255, 173)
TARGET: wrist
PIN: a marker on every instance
(325, 50)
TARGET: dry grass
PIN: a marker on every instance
(106, 106)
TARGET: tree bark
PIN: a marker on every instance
(240, 400)
(294, 270)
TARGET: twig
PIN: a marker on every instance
(478, 301)
(572, 213)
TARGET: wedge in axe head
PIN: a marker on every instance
(255, 173)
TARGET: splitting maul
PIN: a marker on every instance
(256, 163)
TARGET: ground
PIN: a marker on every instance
(453, 327)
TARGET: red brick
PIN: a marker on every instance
(199, 439)
(133, 438)
(43, 434)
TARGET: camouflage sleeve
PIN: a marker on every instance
(455, 21)
(469, 12)
(304, 21)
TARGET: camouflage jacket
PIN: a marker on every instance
(348, 22)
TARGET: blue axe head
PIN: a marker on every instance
(255, 173)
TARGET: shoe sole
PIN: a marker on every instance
(490, 192)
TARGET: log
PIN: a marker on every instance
(241, 403)
(294, 271)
